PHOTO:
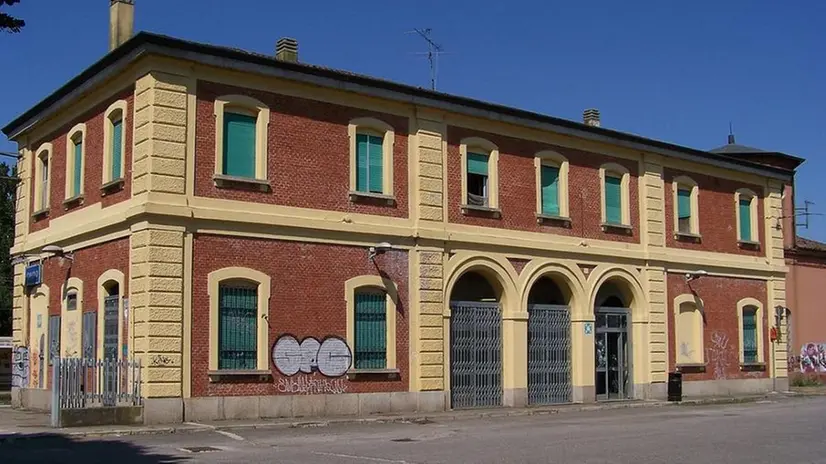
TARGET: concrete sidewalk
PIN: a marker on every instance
(16, 424)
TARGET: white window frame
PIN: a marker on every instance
(686, 183)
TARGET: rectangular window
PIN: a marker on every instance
(237, 327)
(370, 331)
(749, 336)
(44, 183)
(684, 211)
(550, 190)
(369, 163)
(613, 200)
(745, 219)
(239, 145)
(77, 175)
(477, 179)
(117, 138)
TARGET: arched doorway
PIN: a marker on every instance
(549, 343)
(612, 350)
(475, 342)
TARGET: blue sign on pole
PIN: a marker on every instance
(33, 274)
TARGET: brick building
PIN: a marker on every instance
(272, 238)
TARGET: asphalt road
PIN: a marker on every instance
(789, 431)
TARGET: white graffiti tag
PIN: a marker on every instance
(20, 367)
(718, 354)
(307, 385)
(331, 358)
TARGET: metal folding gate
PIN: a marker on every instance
(475, 354)
(110, 346)
(549, 354)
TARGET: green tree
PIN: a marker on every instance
(8, 22)
(8, 191)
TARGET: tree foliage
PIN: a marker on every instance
(8, 22)
(8, 191)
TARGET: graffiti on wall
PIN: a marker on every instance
(718, 354)
(311, 385)
(330, 357)
(813, 357)
(20, 367)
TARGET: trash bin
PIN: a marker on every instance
(675, 386)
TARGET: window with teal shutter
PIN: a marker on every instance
(613, 200)
(369, 163)
(550, 190)
(684, 210)
(477, 179)
(237, 327)
(750, 335)
(745, 220)
(77, 175)
(239, 145)
(117, 139)
(370, 349)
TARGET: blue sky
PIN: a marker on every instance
(672, 71)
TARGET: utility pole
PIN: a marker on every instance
(433, 52)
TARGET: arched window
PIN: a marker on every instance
(114, 143)
(686, 207)
(75, 162)
(615, 196)
(71, 317)
(239, 303)
(241, 125)
(480, 174)
(746, 212)
(107, 323)
(371, 157)
(371, 322)
(688, 330)
(552, 185)
(41, 179)
(750, 320)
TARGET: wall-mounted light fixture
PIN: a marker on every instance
(58, 252)
(378, 249)
(689, 276)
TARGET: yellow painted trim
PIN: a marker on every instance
(695, 319)
(71, 321)
(253, 107)
(44, 153)
(628, 274)
(186, 356)
(741, 305)
(746, 193)
(391, 292)
(109, 118)
(613, 169)
(554, 159)
(567, 271)
(78, 130)
(687, 183)
(485, 147)
(373, 126)
(264, 282)
(110, 275)
(191, 122)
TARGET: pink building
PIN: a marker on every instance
(804, 296)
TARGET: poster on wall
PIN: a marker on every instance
(813, 357)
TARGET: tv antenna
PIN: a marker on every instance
(433, 52)
(801, 212)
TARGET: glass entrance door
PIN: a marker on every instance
(611, 354)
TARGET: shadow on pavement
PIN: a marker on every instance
(54, 448)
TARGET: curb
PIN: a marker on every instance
(193, 427)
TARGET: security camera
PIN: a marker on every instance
(689, 276)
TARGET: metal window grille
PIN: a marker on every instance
(237, 327)
(749, 335)
(371, 330)
(549, 354)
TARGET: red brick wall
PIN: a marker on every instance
(93, 163)
(306, 300)
(720, 331)
(308, 154)
(517, 188)
(718, 215)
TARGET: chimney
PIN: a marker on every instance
(286, 50)
(591, 117)
(121, 22)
